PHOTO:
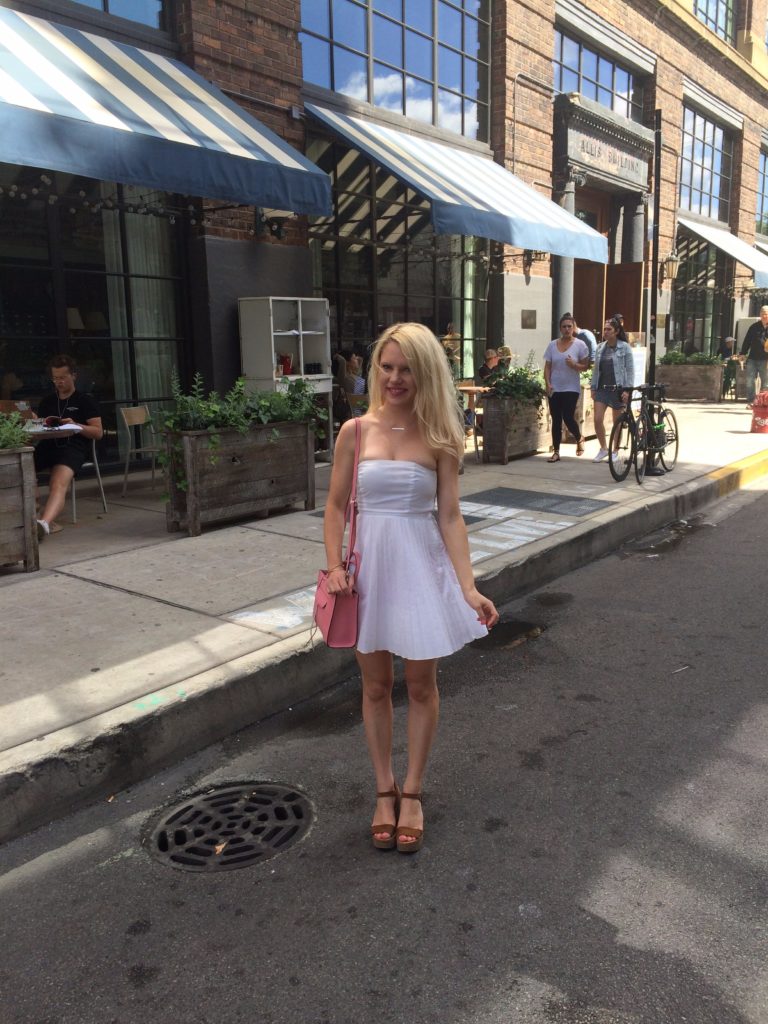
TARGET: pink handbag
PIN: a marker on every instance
(336, 614)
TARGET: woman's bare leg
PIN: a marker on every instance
(600, 424)
(378, 679)
(423, 711)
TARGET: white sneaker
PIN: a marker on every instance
(602, 454)
(43, 529)
(614, 456)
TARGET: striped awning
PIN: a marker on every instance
(76, 102)
(469, 194)
(733, 246)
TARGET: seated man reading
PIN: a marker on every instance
(64, 456)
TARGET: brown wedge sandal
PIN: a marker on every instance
(386, 827)
(403, 830)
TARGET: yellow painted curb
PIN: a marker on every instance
(738, 474)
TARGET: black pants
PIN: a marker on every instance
(562, 406)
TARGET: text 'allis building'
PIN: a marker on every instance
(477, 165)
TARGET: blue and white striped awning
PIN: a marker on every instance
(76, 102)
(469, 194)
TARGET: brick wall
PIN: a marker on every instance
(521, 100)
(249, 49)
(524, 42)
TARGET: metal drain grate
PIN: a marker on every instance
(231, 826)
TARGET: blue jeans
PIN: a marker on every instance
(756, 368)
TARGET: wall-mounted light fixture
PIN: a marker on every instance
(531, 256)
(670, 266)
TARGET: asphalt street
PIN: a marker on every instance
(595, 852)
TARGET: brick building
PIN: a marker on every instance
(377, 94)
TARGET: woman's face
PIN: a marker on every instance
(566, 328)
(398, 388)
(609, 332)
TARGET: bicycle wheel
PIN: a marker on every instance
(642, 440)
(668, 454)
(621, 447)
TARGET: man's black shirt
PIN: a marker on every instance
(77, 407)
(754, 340)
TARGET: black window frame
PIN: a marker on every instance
(632, 103)
(719, 16)
(703, 135)
(463, 97)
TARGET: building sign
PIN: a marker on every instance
(608, 157)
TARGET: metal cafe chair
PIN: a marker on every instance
(138, 416)
(93, 463)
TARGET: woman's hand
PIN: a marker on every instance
(338, 582)
(485, 608)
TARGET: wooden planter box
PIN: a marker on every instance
(512, 428)
(687, 380)
(18, 528)
(250, 474)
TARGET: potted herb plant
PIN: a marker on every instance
(695, 376)
(513, 414)
(18, 533)
(238, 454)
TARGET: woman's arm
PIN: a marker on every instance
(336, 506)
(547, 376)
(454, 534)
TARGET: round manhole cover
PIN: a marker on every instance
(231, 826)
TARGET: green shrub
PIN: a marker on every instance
(12, 432)
(677, 358)
(518, 382)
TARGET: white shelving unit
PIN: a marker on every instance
(275, 326)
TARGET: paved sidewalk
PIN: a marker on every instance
(133, 647)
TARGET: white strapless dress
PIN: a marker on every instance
(410, 599)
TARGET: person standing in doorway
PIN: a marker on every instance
(755, 351)
(564, 359)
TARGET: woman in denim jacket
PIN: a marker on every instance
(614, 367)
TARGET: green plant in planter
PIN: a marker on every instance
(701, 359)
(236, 410)
(677, 358)
(519, 382)
(12, 432)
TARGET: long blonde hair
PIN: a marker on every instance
(435, 405)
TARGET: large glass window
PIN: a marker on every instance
(377, 260)
(762, 195)
(702, 310)
(580, 69)
(706, 166)
(149, 12)
(92, 269)
(717, 15)
(426, 59)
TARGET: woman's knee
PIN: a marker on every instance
(421, 685)
(377, 689)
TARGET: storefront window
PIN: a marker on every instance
(762, 195)
(426, 59)
(148, 12)
(378, 261)
(705, 166)
(717, 15)
(82, 271)
(597, 77)
(702, 310)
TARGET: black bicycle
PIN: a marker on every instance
(644, 438)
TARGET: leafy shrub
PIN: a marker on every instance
(518, 382)
(677, 358)
(12, 432)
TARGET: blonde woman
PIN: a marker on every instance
(418, 598)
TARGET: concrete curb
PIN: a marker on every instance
(47, 778)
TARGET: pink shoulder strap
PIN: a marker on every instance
(352, 555)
